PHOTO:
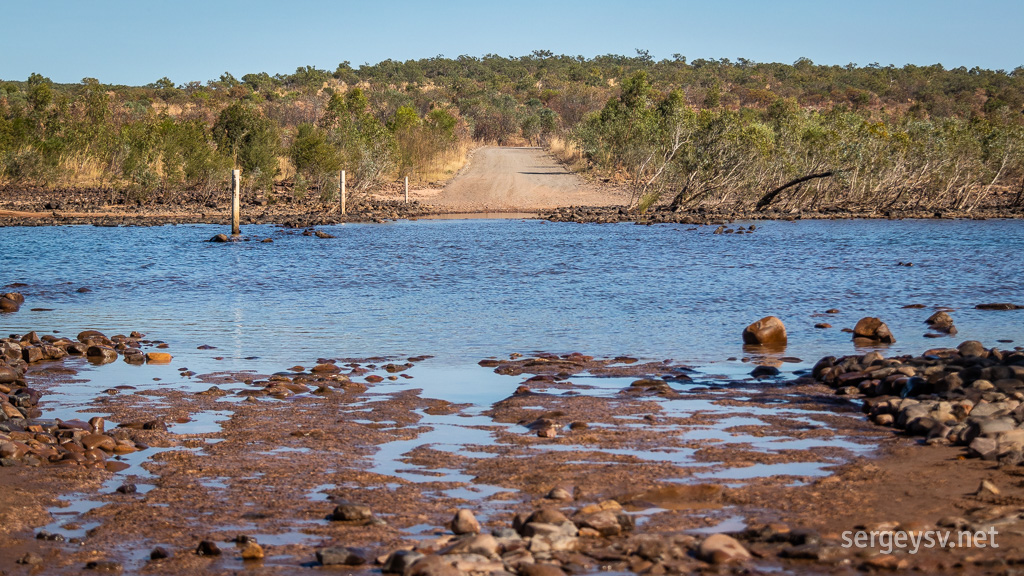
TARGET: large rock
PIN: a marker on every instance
(338, 556)
(721, 549)
(873, 329)
(347, 511)
(101, 354)
(941, 322)
(465, 523)
(11, 302)
(768, 331)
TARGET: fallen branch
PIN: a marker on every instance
(769, 197)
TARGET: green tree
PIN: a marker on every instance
(251, 139)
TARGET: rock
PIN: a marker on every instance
(30, 559)
(104, 566)
(768, 331)
(400, 560)
(101, 354)
(482, 544)
(338, 556)
(559, 494)
(546, 516)
(605, 522)
(539, 569)
(326, 368)
(208, 548)
(823, 325)
(252, 551)
(987, 488)
(873, 329)
(159, 553)
(972, 348)
(941, 322)
(722, 549)
(220, 238)
(101, 441)
(8, 375)
(127, 489)
(984, 448)
(347, 511)
(465, 523)
(764, 372)
(433, 566)
(158, 358)
(999, 306)
(11, 302)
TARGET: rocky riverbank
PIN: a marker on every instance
(588, 464)
(725, 216)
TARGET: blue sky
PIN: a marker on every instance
(139, 41)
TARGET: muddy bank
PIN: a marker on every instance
(580, 465)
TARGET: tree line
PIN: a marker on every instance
(676, 132)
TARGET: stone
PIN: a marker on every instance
(765, 372)
(101, 441)
(941, 322)
(208, 548)
(346, 511)
(101, 354)
(873, 329)
(999, 306)
(768, 331)
(325, 368)
(541, 569)
(465, 523)
(546, 516)
(482, 544)
(8, 375)
(158, 358)
(605, 522)
(400, 560)
(30, 559)
(972, 348)
(338, 556)
(104, 566)
(433, 566)
(252, 551)
(11, 302)
(722, 549)
(987, 488)
(220, 238)
(159, 553)
(984, 448)
(559, 494)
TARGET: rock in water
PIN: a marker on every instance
(220, 238)
(873, 329)
(347, 511)
(767, 331)
(941, 322)
(338, 556)
(721, 549)
(465, 523)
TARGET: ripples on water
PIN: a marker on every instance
(463, 290)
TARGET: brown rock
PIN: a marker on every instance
(101, 441)
(158, 358)
(541, 570)
(873, 329)
(433, 566)
(722, 549)
(465, 523)
(252, 551)
(768, 331)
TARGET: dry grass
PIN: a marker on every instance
(82, 171)
(445, 165)
(566, 152)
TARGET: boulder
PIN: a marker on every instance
(465, 523)
(873, 329)
(722, 549)
(11, 302)
(158, 358)
(338, 556)
(941, 322)
(768, 331)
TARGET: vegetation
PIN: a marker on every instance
(686, 134)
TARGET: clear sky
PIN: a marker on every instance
(140, 41)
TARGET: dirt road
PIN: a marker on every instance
(517, 180)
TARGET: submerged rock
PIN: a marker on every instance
(871, 328)
(768, 331)
(722, 549)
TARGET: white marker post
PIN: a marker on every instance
(236, 193)
(342, 192)
(406, 189)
